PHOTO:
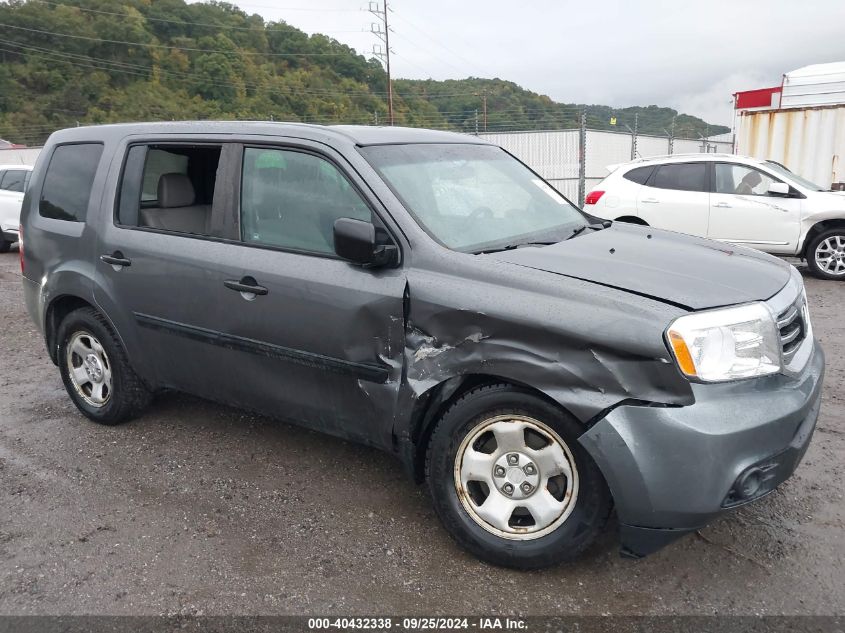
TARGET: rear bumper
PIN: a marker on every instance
(9, 235)
(671, 470)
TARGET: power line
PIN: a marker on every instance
(314, 9)
(150, 69)
(122, 66)
(256, 27)
(181, 48)
(436, 40)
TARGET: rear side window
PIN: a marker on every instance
(68, 182)
(169, 188)
(639, 175)
(681, 177)
(14, 180)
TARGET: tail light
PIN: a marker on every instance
(593, 197)
(20, 246)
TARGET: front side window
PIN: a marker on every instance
(742, 180)
(681, 177)
(68, 181)
(14, 180)
(474, 197)
(169, 187)
(291, 199)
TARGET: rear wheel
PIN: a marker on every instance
(5, 246)
(510, 481)
(826, 255)
(95, 370)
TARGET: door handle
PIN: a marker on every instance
(722, 205)
(117, 260)
(650, 200)
(246, 286)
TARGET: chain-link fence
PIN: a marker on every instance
(557, 155)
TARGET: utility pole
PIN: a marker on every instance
(634, 135)
(382, 31)
(483, 95)
(671, 136)
(582, 158)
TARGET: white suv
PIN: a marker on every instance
(13, 182)
(729, 198)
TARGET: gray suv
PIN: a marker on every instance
(427, 294)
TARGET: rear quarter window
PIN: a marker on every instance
(68, 181)
(639, 175)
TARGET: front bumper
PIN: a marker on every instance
(9, 235)
(671, 470)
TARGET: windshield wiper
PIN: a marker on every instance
(510, 247)
(596, 227)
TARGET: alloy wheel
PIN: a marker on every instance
(89, 369)
(830, 255)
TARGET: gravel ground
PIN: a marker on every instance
(201, 509)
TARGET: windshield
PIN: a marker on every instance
(781, 171)
(474, 197)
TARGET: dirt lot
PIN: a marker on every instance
(200, 509)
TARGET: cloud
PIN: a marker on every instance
(680, 54)
(714, 103)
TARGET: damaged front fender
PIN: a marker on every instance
(588, 350)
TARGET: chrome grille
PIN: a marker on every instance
(792, 329)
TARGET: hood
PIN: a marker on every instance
(686, 271)
(839, 195)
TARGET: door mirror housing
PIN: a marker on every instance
(778, 189)
(355, 241)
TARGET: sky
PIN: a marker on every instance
(690, 56)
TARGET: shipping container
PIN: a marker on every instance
(805, 128)
(809, 141)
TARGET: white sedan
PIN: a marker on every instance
(13, 182)
(729, 198)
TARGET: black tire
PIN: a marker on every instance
(5, 246)
(574, 535)
(813, 265)
(128, 396)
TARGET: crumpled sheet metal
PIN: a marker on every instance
(574, 349)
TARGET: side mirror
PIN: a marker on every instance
(355, 241)
(778, 189)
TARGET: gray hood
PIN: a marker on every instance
(686, 271)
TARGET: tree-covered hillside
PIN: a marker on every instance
(99, 61)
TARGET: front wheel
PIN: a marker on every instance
(510, 481)
(826, 255)
(5, 246)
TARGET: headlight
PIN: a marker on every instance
(726, 344)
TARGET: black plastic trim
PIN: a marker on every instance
(364, 371)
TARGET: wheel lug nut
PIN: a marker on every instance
(526, 487)
(499, 471)
(507, 489)
(513, 458)
(529, 469)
